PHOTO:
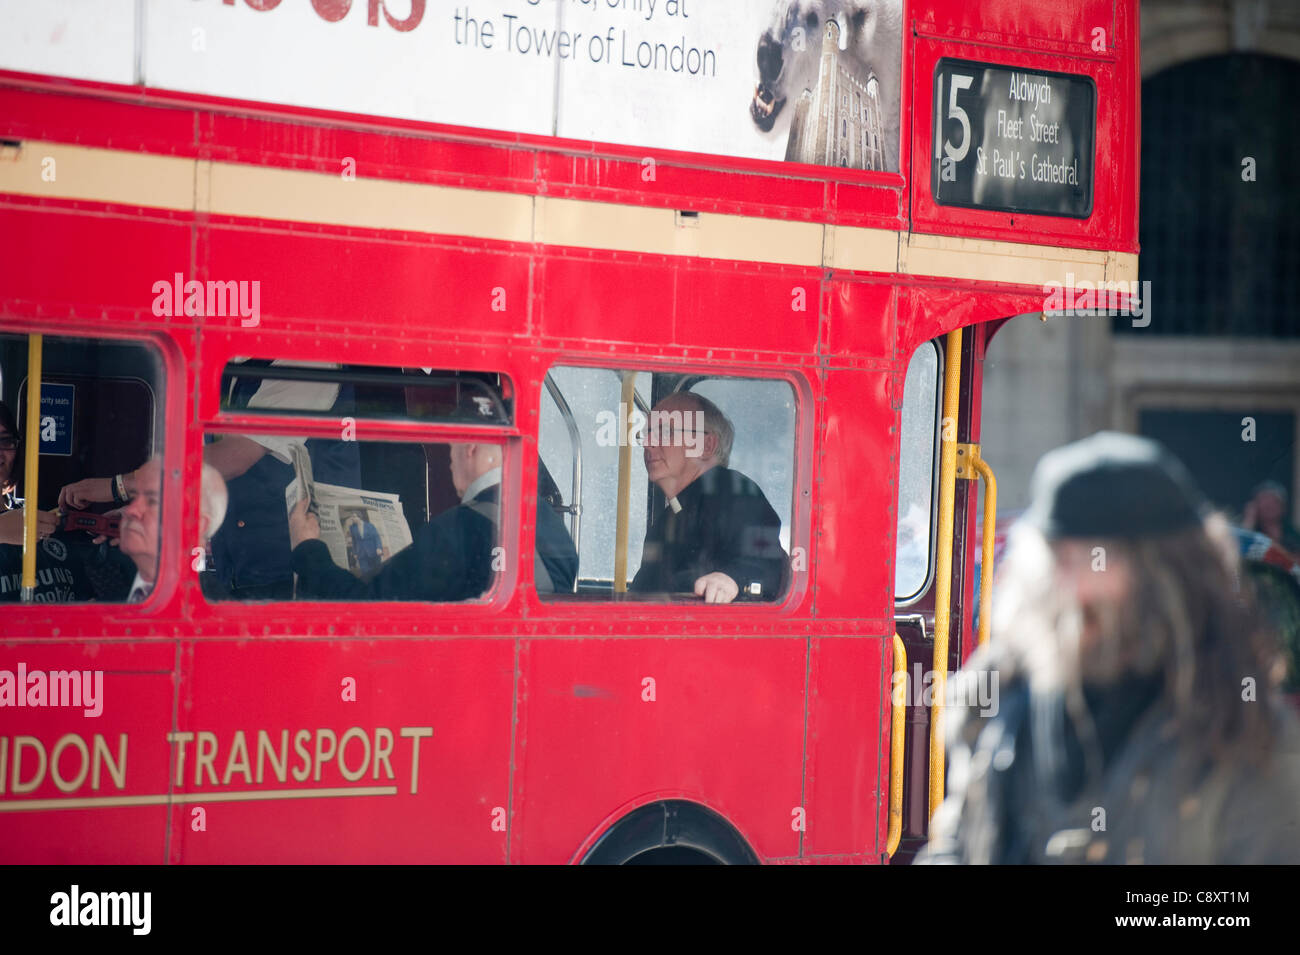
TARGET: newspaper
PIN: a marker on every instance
(362, 529)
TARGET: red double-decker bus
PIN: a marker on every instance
(351, 242)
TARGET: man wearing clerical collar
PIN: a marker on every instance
(718, 537)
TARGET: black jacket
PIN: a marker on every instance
(725, 524)
(450, 558)
(1156, 796)
(60, 575)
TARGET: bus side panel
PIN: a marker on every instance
(748, 309)
(608, 725)
(55, 256)
(857, 521)
(366, 283)
(424, 724)
(70, 755)
(598, 301)
(862, 319)
(844, 747)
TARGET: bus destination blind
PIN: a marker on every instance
(1013, 140)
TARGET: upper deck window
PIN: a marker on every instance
(265, 386)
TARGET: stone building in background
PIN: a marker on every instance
(1216, 373)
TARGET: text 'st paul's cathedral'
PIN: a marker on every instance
(839, 122)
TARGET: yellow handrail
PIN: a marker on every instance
(986, 544)
(624, 500)
(897, 714)
(943, 568)
(32, 445)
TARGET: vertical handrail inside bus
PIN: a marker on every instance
(31, 487)
(575, 441)
(943, 570)
(624, 482)
(897, 714)
(986, 544)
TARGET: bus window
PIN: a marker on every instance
(266, 386)
(710, 481)
(917, 474)
(99, 474)
(313, 518)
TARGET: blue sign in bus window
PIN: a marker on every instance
(56, 418)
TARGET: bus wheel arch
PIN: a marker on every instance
(671, 831)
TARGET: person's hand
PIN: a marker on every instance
(716, 588)
(112, 541)
(11, 526)
(303, 525)
(1249, 516)
(80, 494)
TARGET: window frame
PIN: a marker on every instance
(168, 427)
(377, 430)
(928, 582)
(801, 484)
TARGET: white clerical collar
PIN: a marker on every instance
(674, 505)
(140, 583)
(480, 484)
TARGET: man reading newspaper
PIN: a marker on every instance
(451, 557)
(356, 528)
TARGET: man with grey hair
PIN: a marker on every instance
(718, 536)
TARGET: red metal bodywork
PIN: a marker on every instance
(540, 739)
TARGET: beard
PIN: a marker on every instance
(1110, 643)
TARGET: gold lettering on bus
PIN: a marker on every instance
(355, 732)
(73, 784)
(103, 758)
(264, 752)
(26, 763)
(237, 761)
(415, 734)
(181, 739)
(383, 747)
(205, 757)
(324, 736)
(299, 738)
(28, 742)
(67, 764)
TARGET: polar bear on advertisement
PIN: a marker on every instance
(789, 52)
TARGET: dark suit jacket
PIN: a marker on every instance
(727, 525)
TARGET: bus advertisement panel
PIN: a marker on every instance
(815, 82)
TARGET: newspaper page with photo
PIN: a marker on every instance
(362, 529)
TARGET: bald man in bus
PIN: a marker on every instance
(718, 536)
(450, 557)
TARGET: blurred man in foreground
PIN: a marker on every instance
(1138, 719)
